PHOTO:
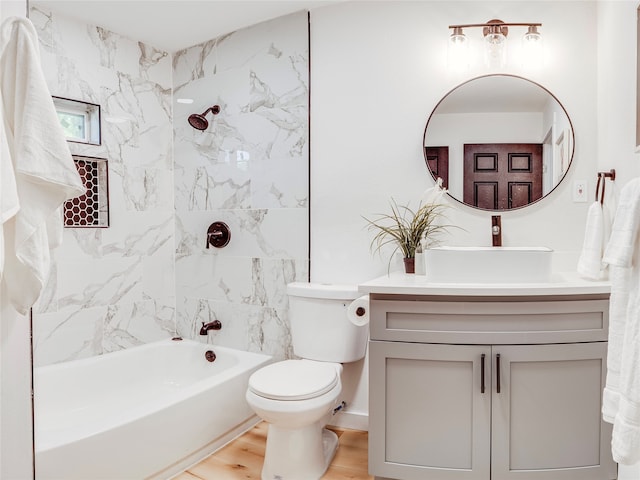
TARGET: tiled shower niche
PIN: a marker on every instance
(92, 208)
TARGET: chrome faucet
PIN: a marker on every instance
(496, 230)
(215, 325)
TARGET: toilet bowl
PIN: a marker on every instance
(298, 397)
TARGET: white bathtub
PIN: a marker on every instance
(145, 412)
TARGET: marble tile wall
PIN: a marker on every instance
(250, 170)
(149, 275)
(112, 288)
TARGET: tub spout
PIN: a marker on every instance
(215, 325)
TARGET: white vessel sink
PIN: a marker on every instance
(488, 264)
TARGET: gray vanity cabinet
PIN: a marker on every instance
(546, 420)
(427, 418)
(476, 389)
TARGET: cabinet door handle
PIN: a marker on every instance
(482, 373)
(497, 373)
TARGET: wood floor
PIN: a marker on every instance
(242, 458)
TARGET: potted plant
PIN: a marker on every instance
(408, 229)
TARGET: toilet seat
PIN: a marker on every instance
(294, 380)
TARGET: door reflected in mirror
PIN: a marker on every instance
(499, 142)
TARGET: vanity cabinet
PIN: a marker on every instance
(480, 388)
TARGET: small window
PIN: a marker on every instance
(80, 120)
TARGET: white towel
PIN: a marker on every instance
(44, 173)
(590, 262)
(620, 280)
(9, 202)
(621, 400)
(608, 214)
(620, 249)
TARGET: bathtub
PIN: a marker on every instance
(147, 412)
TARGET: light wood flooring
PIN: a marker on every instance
(242, 458)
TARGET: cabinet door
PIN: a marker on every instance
(428, 418)
(546, 418)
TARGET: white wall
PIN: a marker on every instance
(11, 8)
(617, 45)
(377, 71)
(617, 89)
(16, 447)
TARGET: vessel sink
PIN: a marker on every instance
(488, 264)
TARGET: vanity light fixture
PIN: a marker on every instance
(495, 34)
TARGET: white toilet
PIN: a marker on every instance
(297, 397)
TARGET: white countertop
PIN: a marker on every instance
(568, 283)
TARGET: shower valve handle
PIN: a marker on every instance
(218, 235)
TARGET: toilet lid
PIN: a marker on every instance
(293, 380)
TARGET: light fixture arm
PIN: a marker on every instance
(496, 23)
(495, 26)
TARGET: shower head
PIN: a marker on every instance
(198, 120)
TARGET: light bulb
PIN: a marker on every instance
(458, 50)
(532, 48)
(495, 50)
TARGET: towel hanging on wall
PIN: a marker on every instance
(590, 262)
(621, 397)
(9, 202)
(597, 232)
(44, 173)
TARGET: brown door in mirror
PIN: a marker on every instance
(499, 176)
(437, 159)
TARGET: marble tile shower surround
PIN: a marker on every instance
(112, 288)
(149, 274)
(250, 170)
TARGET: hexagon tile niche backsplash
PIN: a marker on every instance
(90, 210)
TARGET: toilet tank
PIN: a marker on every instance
(320, 327)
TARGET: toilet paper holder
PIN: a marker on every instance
(218, 235)
(358, 311)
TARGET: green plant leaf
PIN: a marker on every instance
(405, 228)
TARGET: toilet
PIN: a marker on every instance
(298, 397)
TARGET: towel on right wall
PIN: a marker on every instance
(621, 398)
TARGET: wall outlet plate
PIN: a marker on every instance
(580, 191)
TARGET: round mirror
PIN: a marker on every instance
(499, 142)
